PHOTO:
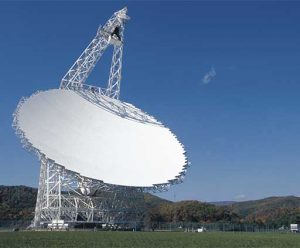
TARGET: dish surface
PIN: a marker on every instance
(101, 138)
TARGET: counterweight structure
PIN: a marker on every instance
(66, 195)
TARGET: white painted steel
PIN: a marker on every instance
(84, 65)
(97, 143)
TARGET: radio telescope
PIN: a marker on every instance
(96, 151)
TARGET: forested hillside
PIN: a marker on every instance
(17, 203)
(270, 210)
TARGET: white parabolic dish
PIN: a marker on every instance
(88, 139)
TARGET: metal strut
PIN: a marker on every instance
(65, 195)
(110, 34)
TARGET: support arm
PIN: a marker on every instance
(83, 66)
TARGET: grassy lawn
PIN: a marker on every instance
(147, 239)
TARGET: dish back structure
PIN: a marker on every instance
(67, 195)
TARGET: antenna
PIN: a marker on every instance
(110, 34)
(94, 162)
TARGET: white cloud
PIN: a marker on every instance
(210, 75)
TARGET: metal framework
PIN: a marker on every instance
(106, 35)
(66, 195)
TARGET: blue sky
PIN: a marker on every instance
(224, 76)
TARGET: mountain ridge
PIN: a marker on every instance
(18, 203)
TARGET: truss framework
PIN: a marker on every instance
(114, 82)
(84, 65)
(58, 196)
(65, 195)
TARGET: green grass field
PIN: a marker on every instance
(147, 239)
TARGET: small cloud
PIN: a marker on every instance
(210, 75)
(240, 197)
